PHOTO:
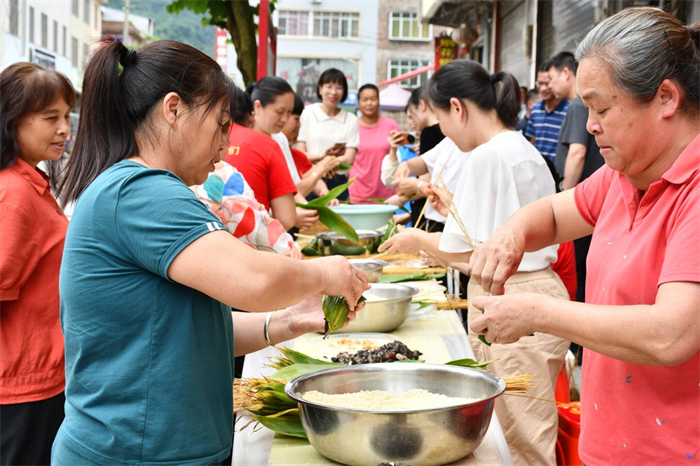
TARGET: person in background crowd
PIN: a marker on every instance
(532, 97)
(311, 175)
(546, 117)
(35, 106)
(578, 155)
(523, 103)
(640, 324)
(149, 274)
(480, 118)
(374, 145)
(430, 135)
(259, 158)
(326, 129)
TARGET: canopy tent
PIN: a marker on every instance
(393, 97)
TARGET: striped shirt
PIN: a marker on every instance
(544, 127)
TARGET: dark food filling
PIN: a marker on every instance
(391, 352)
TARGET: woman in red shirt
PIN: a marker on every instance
(259, 158)
(35, 108)
(640, 325)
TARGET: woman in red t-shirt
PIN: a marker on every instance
(35, 117)
(259, 158)
(640, 324)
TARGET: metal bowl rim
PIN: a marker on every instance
(412, 290)
(292, 384)
(375, 262)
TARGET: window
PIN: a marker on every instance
(55, 36)
(86, 11)
(86, 53)
(31, 24)
(294, 23)
(405, 26)
(14, 17)
(64, 42)
(97, 17)
(44, 30)
(338, 25)
(74, 52)
(399, 67)
(75, 9)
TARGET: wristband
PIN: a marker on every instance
(315, 174)
(266, 329)
(418, 191)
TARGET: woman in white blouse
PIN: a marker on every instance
(326, 129)
(502, 173)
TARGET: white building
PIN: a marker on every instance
(314, 35)
(54, 33)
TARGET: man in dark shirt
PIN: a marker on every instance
(578, 155)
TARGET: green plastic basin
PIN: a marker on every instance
(365, 216)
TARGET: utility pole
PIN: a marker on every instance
(125, 34)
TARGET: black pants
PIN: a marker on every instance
(581, 247)
(27, 431)
(338, 180)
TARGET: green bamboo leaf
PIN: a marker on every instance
(335, 311)
(337, 223)
(469, 363)
(286, 426)
(292, 372)
(332, 194)
(482, 339)
(297, 357)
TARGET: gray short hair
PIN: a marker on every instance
(644, 46)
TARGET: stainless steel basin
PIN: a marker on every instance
(421, 437)
(386, 315)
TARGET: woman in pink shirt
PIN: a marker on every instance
(374, 145)
(640, 324)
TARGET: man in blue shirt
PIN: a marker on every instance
(546, 118)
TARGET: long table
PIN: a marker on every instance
(439, 334)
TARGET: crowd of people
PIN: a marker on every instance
(570, 211)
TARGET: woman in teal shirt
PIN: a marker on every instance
(149, 275)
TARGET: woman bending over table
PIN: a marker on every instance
(149, 274)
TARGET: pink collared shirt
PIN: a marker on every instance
(635, 414)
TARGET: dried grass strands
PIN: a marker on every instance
(519, 383)
(391, 257)
(455, 214)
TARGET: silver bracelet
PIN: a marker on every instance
(266, 329)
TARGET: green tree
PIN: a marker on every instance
(237, 17)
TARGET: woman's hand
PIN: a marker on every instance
(429, 260)
(307, 316)
(395, 140)
(326, 165)
(402, 171)
(507, 318)
(306, 218)
(435, 195)
(342, 279)
(407, 241)
(407, 187)
(396, 200)
(497, 259)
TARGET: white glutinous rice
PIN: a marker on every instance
(379, 400)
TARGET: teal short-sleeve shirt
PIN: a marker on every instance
(149, 362)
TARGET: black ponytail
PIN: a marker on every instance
(268, 89)
(114, 105)
(468, 80)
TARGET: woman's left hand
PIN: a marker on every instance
(407, 241)
(406, 187)
(506, 318)
(307, 316)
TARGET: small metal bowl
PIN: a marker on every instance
(386, 315)
(372, 267)
(333, 243)
(420, 437)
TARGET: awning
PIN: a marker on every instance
(454, 13)
(409, 75)
(393, 98)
